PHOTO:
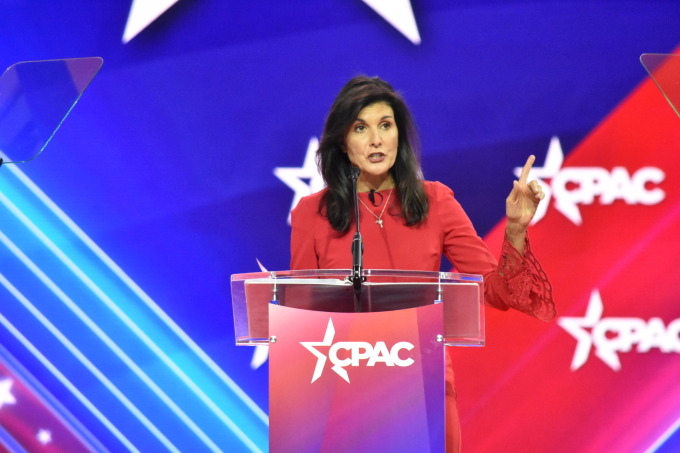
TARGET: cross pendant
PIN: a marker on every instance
(379, 222)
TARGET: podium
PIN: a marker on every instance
(348, 381)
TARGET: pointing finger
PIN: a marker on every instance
(527, 168)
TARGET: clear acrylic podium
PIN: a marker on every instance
(342, 381)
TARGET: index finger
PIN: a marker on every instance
(527, 168)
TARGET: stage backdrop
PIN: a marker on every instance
(179, 165)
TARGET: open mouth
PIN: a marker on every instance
(376, 157)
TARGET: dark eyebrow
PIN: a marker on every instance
(361, 120)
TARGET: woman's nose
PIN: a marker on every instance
(376, 140)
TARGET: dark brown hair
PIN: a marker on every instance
(334, 164)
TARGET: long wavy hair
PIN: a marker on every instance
(334, 164)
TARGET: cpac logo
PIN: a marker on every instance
(574, 186)
(350, 353)
(612, 336)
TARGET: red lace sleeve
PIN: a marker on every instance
(527, 285)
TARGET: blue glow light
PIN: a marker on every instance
(124, 329)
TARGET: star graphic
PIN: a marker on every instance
(142, 14)
(6, 396)
(399, 14)
(321, 358)
(576, 327)
(44, 436)
(260, 356)
(294, 177)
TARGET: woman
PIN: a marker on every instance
(406, 222)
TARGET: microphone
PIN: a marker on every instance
(357, 243)
(354, 173)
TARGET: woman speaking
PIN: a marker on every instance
(409, 222)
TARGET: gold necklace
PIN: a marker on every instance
(378, 219)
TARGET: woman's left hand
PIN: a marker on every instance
(521, 205)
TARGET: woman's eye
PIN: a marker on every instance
(386, 125)
(359, 128)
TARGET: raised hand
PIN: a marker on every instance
(521, 204)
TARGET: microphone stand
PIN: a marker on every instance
(357, 246)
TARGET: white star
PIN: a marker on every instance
(294, 177)
(260, 356)
(577, 329)
(44, 436)
(399, 14)
(6, 396)
(142, 14)
(321, 359)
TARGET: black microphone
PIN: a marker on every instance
(357, 243)
(354, 173)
